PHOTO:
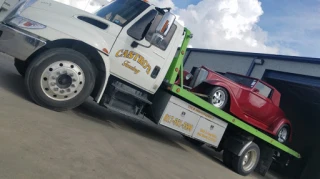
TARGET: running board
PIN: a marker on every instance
(123, 112)
(123, 90)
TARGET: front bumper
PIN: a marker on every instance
(18, 44)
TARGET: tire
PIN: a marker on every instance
(223, 99)
(194, 141)
(252, 155)
(280, 134)
(60, 79)
(20, 67)
(227, 157)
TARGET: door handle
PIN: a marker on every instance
(155, 72)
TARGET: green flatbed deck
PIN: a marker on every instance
(178, 90)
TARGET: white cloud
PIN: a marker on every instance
(226, 25)
(216, 24)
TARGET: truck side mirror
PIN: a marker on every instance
(165, 24)
(160, 32)
(163, 28)
(156, 39)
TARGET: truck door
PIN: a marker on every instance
(142, 64)
(6, 6)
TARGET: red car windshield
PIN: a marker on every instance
(242, 80)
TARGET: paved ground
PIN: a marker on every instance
(89, 142)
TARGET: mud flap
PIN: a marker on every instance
(6, 6)
(266, 159)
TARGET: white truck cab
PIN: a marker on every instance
(127, 42)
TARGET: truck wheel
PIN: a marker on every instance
(227, 157)
(247, 162)
(283, 134)
(20, 66)
(60, 79)
(219, 97)
(194, 141)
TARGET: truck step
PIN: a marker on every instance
(123, 112)
(122, 89)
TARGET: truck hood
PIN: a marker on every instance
(67, 14)
(62, 23)
(60, 8)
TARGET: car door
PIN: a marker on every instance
(141, 64)
(262, 107)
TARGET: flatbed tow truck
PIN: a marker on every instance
(125, 57)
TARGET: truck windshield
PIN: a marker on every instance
(248, 82)
(121, 12)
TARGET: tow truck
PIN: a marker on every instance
(125, 56)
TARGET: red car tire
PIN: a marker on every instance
(219, 97)
(283, 134)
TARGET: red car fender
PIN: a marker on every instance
(278, 124)
(234, 106)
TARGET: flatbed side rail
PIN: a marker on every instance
(171, 77)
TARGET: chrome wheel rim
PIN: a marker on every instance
(283, 135)
(62, 80)
(218, 98)
(249, 160)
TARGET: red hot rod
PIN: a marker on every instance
(250, 99)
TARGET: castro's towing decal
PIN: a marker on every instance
(135, 57)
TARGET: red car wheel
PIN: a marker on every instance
(219, 97)
(283, 133)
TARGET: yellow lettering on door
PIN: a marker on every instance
(119, 53)
(135, 57)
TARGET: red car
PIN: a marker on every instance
(250, 99)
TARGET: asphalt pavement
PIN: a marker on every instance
(90, 142)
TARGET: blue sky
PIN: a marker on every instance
(184, 3)
(294, 24)
(291, 24)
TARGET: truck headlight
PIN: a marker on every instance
(26, 23)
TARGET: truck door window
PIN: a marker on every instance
(121, 12)
(139, 29)
(263, 89)
(166, 41)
